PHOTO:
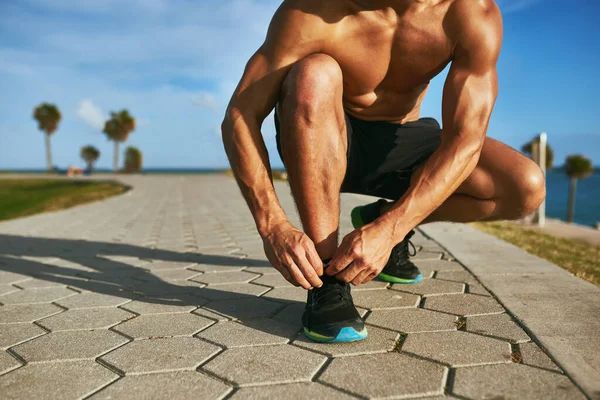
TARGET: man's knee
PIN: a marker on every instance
(311, 83)
(529, 193)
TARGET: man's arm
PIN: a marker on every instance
(292, 35)
(469, 95)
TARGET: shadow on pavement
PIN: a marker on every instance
(103, 268)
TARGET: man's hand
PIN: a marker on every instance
(362, 255)
(294, 255)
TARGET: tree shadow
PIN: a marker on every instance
(127, 271)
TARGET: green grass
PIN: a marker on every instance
(22, 197)
(578, 257)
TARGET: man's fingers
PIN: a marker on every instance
(297, 276)
(286, 275)
(338, 263)
(350, 272)
(362, 277)
(308, 271)
(313, 258)
(369, 278)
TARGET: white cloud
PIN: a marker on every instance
(91, 114)
(175, 63)
(204, 99)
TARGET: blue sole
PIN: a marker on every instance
(345, 335)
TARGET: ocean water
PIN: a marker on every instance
(587, 198)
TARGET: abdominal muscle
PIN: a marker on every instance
(389, 106)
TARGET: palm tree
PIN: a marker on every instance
(133, 159)
(90, 154)
(118, 128)
(576, 167)
(528, 149)
(48, 116)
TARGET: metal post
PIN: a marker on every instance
(540, 157)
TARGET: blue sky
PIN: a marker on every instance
(175, 63)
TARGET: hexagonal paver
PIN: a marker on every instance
(153, 305)
(497, 325)
(27, 312)
(7, 363)
(418, 377)
(457, 348)
(71, 345)
(89, 318)
(382, 299)
(273, 280)
(476, 288)
(207, 268)
(260, 332)
(56, 380)
(464, 304)
(28, 296)
(463, 276)
(92, 300)
(291, 314)
(169, 385)
(375, 284)
(379, 341)
(6, 289)
(265, 365)
(168, 265)
(232, 291)
(220, 278)
(412, 320)
(38, 283)
(513, 381)
(295, 391)
(427, 255)
(7, 277)
(156, 355)
(171, 274)
(427, 266)
(533, 355)
(210, 314)
(12, 334)
(256, 307)
(291, 293)
(431, 287)
(163, 325)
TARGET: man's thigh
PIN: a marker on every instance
(500, 172)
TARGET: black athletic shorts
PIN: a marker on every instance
(382, 155)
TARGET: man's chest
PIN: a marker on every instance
(400, 58)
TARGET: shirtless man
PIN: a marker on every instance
(347, 78)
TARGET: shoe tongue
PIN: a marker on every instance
(331, 280)
(330, 294)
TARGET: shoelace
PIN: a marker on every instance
(402, 250)
(330, 293)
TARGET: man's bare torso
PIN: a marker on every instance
(387, 55)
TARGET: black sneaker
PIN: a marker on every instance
(330, 315)
(399, 268)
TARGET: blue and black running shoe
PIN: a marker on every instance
(330, 315)
(399, 268)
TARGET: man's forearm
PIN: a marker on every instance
(439, 177)
(249, 162)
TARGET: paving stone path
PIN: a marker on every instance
(164, 292)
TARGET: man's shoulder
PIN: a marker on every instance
(314, 9)
(474, 22)
(300, 23)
